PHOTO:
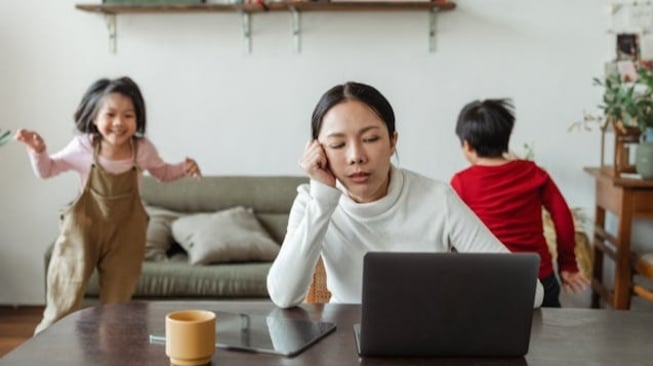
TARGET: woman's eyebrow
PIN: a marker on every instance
(336, 134)
(361, 131)
(365, 129)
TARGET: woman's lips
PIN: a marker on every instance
(359, 177)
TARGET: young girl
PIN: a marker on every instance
(105, 227)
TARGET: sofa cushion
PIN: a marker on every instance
(159, 232)
(176, 278)
(232, 235)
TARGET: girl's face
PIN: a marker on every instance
(116, 119)
(358, 148)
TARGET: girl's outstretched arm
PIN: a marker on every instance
(192, 169)
(32, 140)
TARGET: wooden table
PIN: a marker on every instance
(627, 199)
(118, 335)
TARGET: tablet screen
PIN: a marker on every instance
(261, 333)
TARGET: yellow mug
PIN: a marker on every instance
(190, 337)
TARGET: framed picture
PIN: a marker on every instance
(628, 47)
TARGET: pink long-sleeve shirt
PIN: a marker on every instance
(78, 156)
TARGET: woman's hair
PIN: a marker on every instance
(363, 93)
(90, 104)
(486, 126)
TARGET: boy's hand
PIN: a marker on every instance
(315, 164)
(573, 282)
(31, 139)
(191, 168)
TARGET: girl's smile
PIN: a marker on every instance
(116, 122)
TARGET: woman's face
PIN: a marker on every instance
(358, 147)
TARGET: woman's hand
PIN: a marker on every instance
(192, 169)
(573, 281)
(315, 164)
(31, 139)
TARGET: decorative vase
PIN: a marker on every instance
(644, 156)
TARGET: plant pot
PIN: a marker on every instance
(648, 134)
(644, 160)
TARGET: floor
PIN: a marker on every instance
(17, 325)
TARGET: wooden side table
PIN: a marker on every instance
(627, 199)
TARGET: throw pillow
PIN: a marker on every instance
(159, 233)
(232, 235)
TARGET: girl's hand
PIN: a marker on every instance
(31, 139)
(191, 168)
(315, 164)
(573, 281)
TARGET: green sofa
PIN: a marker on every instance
(174, 278)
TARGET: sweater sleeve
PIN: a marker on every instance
(149, 160)
(563, 222)
(72, 157)
(291, 273)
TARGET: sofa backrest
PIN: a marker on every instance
(271, 197)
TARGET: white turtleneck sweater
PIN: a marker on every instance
(417, 215)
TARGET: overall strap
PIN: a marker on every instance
(97, 145)
(134, 142)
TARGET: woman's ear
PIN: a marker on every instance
(393, 142)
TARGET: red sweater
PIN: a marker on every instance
(508, 198)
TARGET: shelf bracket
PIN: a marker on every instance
(296, 29)
(433, 15)
(247, 30)
(111, 27)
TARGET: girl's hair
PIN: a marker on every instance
(91, 101)
(486, 126)
(363, 93)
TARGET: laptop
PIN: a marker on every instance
(447, 304)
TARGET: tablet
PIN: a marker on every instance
(264, 334)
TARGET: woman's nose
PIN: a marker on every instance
(356, 154)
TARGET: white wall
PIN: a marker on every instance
(240, 113)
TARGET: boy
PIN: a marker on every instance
(508, 195)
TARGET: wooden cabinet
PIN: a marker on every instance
(294, 8)
(627, 199)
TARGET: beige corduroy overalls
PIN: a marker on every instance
(104, 228)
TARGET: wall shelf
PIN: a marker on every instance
(294, 8)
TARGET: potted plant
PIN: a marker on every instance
(622, 108)
(645, 103)
(644, 153)
(623, 103)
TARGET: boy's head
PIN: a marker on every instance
(486, 126)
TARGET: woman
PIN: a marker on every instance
(357, 202)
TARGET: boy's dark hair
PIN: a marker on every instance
(486, 126)
(363, 93)
(90, 104)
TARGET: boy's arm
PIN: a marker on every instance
(563, 223)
